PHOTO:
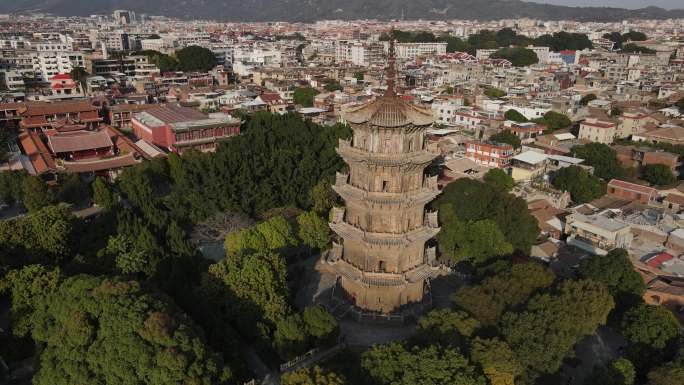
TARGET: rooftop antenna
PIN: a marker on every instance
(391, 71)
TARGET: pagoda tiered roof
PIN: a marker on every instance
(389, 111)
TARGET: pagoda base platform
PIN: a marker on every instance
(343, 306)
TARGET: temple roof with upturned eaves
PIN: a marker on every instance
(389, 111)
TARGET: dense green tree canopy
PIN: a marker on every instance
(497, 360)
(508, 137)
(545, 332)
(195, 58)
(259, 279)
(446, 327)
(554, 121)
(510, 213)
(582, 186)
(304, 96)
(518, 56)
(311, 376)
(498, 179)
(474, 241)
(603, 158)
(122, 333)
(658, 175)
(11, 187)
(313, 230)
(619, 372)
(45, 236)
(35, 193)
(488, 300)
(616, 272)
(289, 338)
(319, 323)
(515, 116)
(164, 62)
(652, 326)
(274, 163)
(102, 195)
(393, 364)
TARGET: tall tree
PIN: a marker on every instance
(508, 137)
(123, 333)
(304, 96)
(498, 179)
(258, 280)
(603, 158)
(36, 194)
(488, 300)
(616, 271)
(393, 364)
(582, 186)
(102, 195)
(552, 323)
(658, 175)
(651, 326)
(312, 376)
(195, 58)
(497, 360)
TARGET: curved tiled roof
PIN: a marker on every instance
(389, 111)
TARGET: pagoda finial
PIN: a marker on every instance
(391, 71)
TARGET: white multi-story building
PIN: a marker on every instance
(259, 56)
(360, 53)
(484, 54)
(13, 80)
(445, 109)
(49, 64)
(413, 50)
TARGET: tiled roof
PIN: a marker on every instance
(100, 164)
(37, 152)
(171, 113)
(79, 141)
(632, 186)
(389, 111)
(37, 109)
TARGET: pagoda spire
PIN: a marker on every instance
(391, 71)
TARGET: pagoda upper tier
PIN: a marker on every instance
(389, 112)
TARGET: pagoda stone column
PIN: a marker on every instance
(382, 259)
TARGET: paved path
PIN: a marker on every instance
(358, 334)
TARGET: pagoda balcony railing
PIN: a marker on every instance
(430, 182)
(350, 231)
(347, 190)
(431, 255)
(341, 179)
(423, 155)
(416, 274)
(431, 219)
(338, 214)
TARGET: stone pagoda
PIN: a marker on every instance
(383, 261)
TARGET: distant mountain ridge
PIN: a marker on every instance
(312, 10)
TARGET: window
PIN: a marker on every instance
(381, 266)
(385, 186)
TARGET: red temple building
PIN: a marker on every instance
(177, 128)
(103, 151)
(39, 116)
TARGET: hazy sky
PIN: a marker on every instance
(668, 4)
